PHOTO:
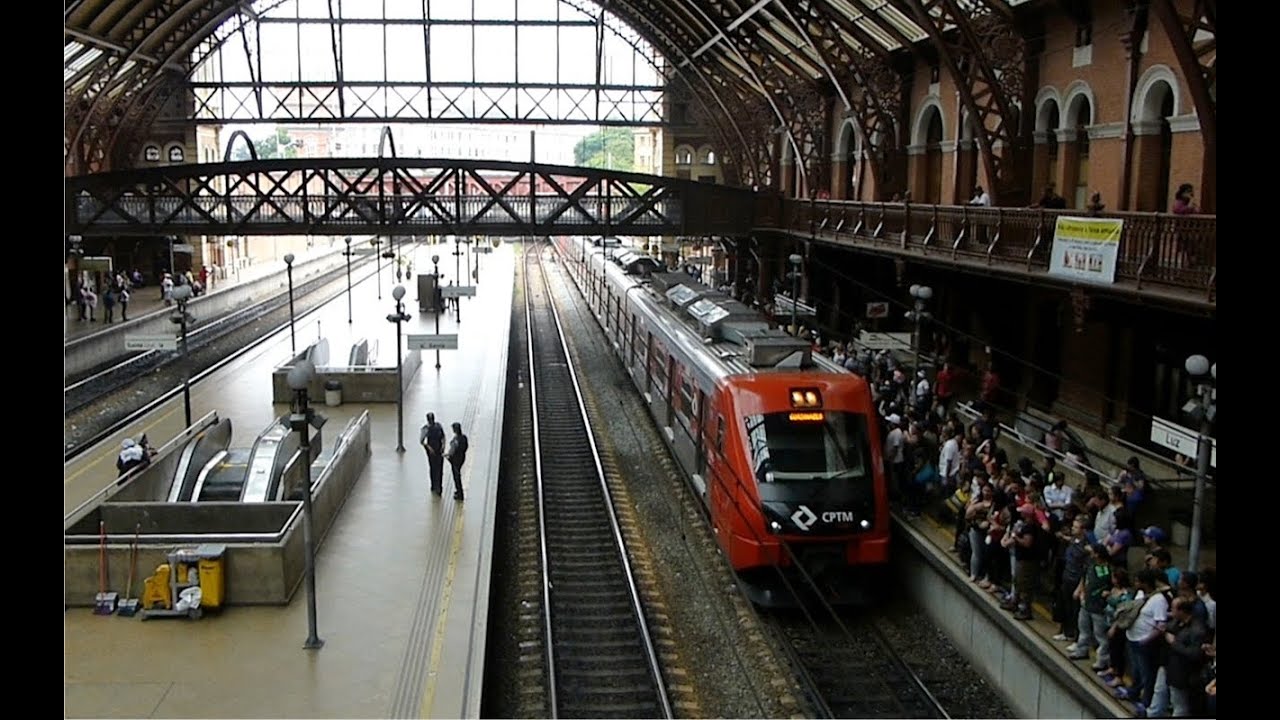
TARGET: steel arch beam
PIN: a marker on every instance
(877, 100)
(986, 56)
(1194, 38)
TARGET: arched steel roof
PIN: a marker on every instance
(118, 49)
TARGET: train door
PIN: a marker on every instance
(672, 379)
(648, 364)
(631, 343)
(719, 487)
(699, 431)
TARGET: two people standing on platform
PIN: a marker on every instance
(431, 437)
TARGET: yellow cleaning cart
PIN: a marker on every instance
(202, 566)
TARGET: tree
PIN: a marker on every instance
(276, 145)
(612, 148)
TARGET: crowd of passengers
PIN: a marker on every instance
(1025, 533)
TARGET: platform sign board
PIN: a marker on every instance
(1085, 248)
(433, 342)
(1181, 440)
(95, 263)
(453, 291)
(877, 310)
(184, 248)
(782, 306)
(484, 249)
(150, 342)
(885, 340)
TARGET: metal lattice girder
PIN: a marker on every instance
(663, 36)
(875, 100)
(326, 102)
(778, 88)
(398, 196)
(986, 55)
(165, 30)
(1194, 38)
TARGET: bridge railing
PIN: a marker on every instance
(1176, 251)
(355, 210)
(389, 194)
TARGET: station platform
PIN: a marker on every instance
(402, 577)
(146, 300)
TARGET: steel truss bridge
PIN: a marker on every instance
(402, 196)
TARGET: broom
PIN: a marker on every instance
(129, 605)
(104, 602)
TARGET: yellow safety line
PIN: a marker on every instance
(107, 449)
(437, 645)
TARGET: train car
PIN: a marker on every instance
(780, 443)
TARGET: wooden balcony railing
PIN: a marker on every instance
(1175, 252)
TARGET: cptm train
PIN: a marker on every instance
(779, 443)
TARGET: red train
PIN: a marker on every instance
(780, 443)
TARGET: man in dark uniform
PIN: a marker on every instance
(457, 456)
(431, 437)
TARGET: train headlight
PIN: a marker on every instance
(806, 398)
(774, 526)
(865, 524)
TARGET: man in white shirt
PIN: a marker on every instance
(980, 197)
(895, 453)
(949, 459)
(1105, 523)
(1146, 631)
(1058, 495)
(922, 396)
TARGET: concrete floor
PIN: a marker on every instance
(402, 580)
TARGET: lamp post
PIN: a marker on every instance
(181, 294)
(1205, 407)
(795, 290)
(398, 317)
(470, 242)
(377, 261)
(288, 268)
(300, 421)
(438, 301)
(457, 276)
(347, 252)
(921, 293)
(172, 270)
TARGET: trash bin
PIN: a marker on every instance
(332, 393)
(212, 573)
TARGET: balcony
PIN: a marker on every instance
(1161, 257)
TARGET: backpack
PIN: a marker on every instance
(1127, 612)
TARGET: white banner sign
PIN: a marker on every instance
(1181, 440)
(433, 342)
(1086, 248)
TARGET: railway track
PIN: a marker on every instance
(599, 658)
(851, 668)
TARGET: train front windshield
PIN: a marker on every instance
(788, 447)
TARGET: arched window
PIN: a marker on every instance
(684, 156)
(707, 156)
(933, 158)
